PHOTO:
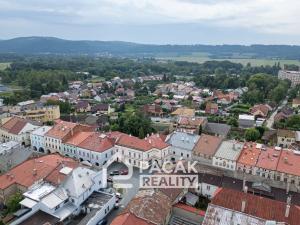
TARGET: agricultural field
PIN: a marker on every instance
(3, 66)
(202, 57)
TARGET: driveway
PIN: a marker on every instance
(270, 120)
(127, 193)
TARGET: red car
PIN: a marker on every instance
(123, 172)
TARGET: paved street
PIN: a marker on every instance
(128, 193)
(270, 120)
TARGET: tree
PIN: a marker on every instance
(141, 133)
(13, 203)
(232, 122)
(200, 130)
(252, 134)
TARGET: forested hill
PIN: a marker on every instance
(50, 45)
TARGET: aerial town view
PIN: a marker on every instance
(150, 112)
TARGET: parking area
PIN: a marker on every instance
(128, 193)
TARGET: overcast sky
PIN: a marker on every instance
(155, 21)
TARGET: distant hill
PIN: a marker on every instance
(50, 45)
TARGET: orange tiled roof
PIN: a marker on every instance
(268, 159)
(257, 206)
(156, 141)
(133, 142)
(207, 145)
(97, 143)
(14, 125)
(24, 175)
(56, 177)
(129, 219)
(289, 163)
(61, 129)
(78, 138)
(249, 155)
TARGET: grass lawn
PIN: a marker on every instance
(3, 66)
(202, 57)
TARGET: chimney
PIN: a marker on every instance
(245, 189)
(243, 206)
(34, 172)
(287, 210)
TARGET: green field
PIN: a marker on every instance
(3, 66)
(202, 57)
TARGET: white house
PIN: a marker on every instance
(17, 129)
(37, 138)
(182, 145)
(227, 155)
(68, 198)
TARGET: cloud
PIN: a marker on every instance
(262, 16)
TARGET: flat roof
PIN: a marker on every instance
(95, 203)
(246, 117)
(39, 218)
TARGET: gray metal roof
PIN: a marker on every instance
(229, 150)
(183, 140)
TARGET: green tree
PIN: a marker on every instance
(13, 203)
(141, 132)
(252, 134)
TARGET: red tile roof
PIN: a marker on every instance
(133, 142)
(257, 206)
(129, 219)
(190, 209)
(32, 170)
(56, 177)
(157, 142)
(260, 109)
(61, 129)
(14, 125)
(207, 145)
(249, 155)
(78, 138)
(97, 142)
(268, 159)
(289, 163)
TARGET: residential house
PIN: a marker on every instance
(248, 158)
(211, 108)
(148, 207)
(83, 106)
(37, 138)
(190, 124)
(261, 110)
(42, 113)
(227, 155)
(208, 184)
(182, 145)
(288, 168)
(17, 129)
(184, 112)
(96, 149)
(285, 138)
(24, 175)
(246, 121)
(217, 129)
(205, 148)
(296, 102)
(101, 109)
(77, 192)
(153, 110)
(267, 161)
(141, 152)
(60, 132)
(233, 207)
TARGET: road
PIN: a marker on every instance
(128, 193)
(270, 120)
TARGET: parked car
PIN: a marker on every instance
(102, 222)
(118, 195)
(110, 179)
(115, 172)
(123, 172)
